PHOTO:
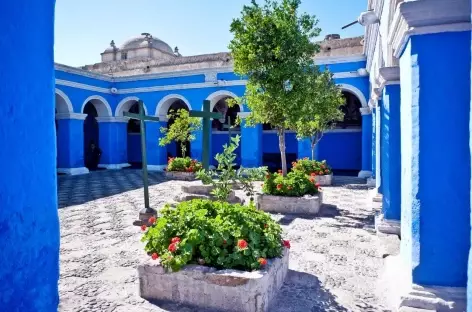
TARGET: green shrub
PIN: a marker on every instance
(214, 233)
(254, 174)
(183, 164)
(295, 184)
(311, 166)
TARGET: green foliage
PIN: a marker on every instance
(295, 184)
(247, 176)
(185, 164)
(225, 172)
(207, 233)
(274, 46)
(181, 130)
(310, 167)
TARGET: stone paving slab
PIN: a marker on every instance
(334, 259)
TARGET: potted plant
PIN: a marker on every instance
(313, 168)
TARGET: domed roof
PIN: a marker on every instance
(141, 41)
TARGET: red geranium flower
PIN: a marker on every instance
(242, 244)
(152, 220)
(175, 240)
(173, 247)
(155, 256)
(279, 186)
(313, 174)
(143, 227)
(312, 180)
(262, 261)
(286, 243)
(317, 185)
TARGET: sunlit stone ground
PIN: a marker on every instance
(334, 259)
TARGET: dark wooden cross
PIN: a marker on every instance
(206, 116)
(147, 212)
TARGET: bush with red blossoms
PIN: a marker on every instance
(215, 234)
(295, 184)
(183, 164)
(310, 167)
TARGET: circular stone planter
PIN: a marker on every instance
(308, 204)
(180, 175)
(209, 288)
(324, 180)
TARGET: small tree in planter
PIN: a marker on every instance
(317, 169)
(181, 131)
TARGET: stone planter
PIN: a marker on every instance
(180, 175)
(205, 287)
(324, 180)
(308, 204)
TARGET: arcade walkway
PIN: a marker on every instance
(334, 260)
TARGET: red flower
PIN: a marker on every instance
(262, 261)
(173, 247)
(143, 227)
(155, 256)
(317, 185)
(286, 243)
(312, 179)
(152, 220)
(175, 240)
(279, 186)
(313, 174)
(242, 244)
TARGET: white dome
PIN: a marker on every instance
(141, 41)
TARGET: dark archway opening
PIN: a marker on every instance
(230, 113)
(174, 149)
(91, 137)
(134, 138)
(352, 114)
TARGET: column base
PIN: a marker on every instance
(371, 182)
(402, 295)
(114, 166)
(364, 174)
(386, 226)
(73, 171)
(159, 168)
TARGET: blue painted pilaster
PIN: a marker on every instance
(70, 143)
(391, 155)
(366, 143)
(113, 142)
(378, 147)
(251, 145)
(29, 223)
(156, 155)
(435, 158)
(373, 140)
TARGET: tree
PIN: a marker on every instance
(273, 48)
(181, 130)
(321, 110)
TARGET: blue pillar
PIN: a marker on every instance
(373, 147)
(156, 155)
(70, 144)
(251, 145)
(366, 143)
(29, 223)
(113, 135)
(435, 158)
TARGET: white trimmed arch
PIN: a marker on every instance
(63, 103)
(125, 105)
(358, 93)
(166, 102)
(101, 105)
(218, 95)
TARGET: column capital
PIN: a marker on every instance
(365, 111)
(112, 119)
(389, 76)
(76, 116)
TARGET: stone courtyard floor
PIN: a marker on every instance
(334, 259)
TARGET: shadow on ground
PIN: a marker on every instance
(77, 190)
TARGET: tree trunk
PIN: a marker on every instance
(282, 151)
(313, 145)
(183, 148)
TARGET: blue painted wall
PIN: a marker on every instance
(134, 148)
(70, 143)
(435, 138)
(29, 223)
(341, 150)
(217, 141)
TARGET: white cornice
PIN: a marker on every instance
(81, 72)
(184, 86)
(76, 116)
(182, 73)
(388, 76)
(423, 17)
(112, 119)
(365, 111)
(82, 86)
(326, 60)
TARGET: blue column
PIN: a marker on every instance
(391, 155)
(156, 155)
(70, 144)
(366, 143)
(29, 223)
(251, 145)
(113, 135)
(378, 147)
(373, 147)
(435, 110)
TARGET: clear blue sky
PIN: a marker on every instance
(84, 28)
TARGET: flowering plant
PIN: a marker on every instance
(311, 166)
(295, 184)
(183, 164)
(214, 233)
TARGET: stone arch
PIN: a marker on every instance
(358, 93)
(166, 102)
(219, 95)
(63, 103)
(126, 104)
(101, 105)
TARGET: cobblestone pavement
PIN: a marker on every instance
(334, 263)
